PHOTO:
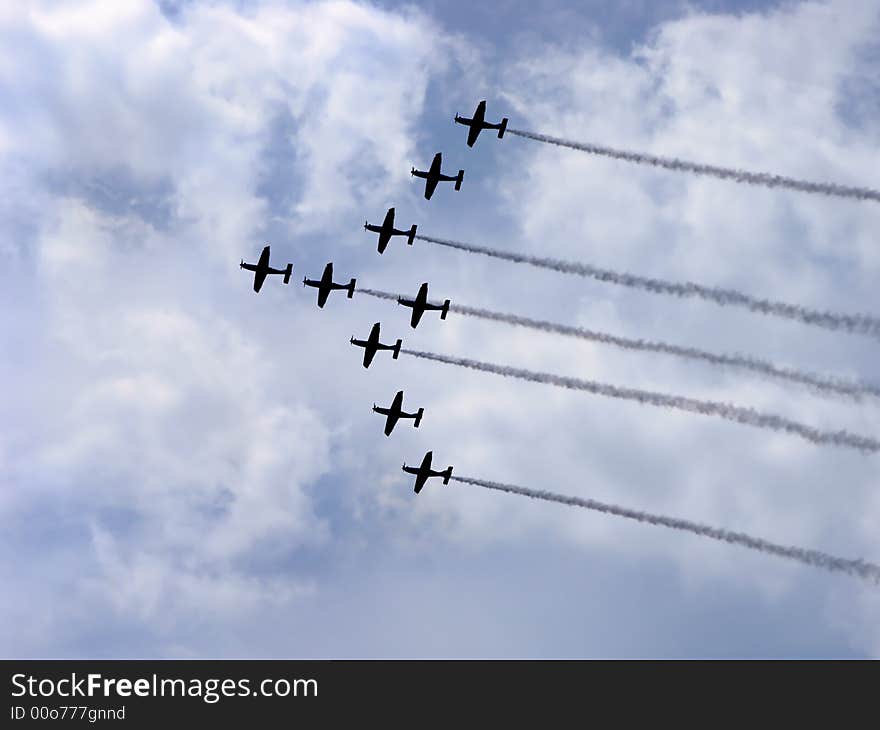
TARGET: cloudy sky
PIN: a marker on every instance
(188, 469)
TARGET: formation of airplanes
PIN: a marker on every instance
(262, 269)
(372, 345)
(433, 175)
(424, 471)
(395, 412)
(478, 123)
(419, 304)
(325, 285)
(387, 230)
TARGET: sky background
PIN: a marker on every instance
(188, 469)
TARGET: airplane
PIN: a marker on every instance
(262, 269)
(433, 176)
(420, 305)
(326, 285)
(395, 412)
(371, 345)
(387, 229)
(478, 124)
(425, 471)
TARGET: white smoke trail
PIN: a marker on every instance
(862, 324)
(724, 173)
(822, 383)
(747, 416)
(814, 558)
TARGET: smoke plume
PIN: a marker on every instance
(862, 324)
(740, 176)
(814, 558)
(822, 383)
(739, 414)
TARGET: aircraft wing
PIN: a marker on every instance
(430, 187)
(421, 478)
(264, 258)
(323, 293)
(259, 277)
(391, 422)
(369, 354)
(473, 133)
(383, 241)
(416, 315)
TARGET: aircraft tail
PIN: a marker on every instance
(351, 288)
(419, 417)
(287, 272)
(397, 349)
(458, 179)
(412, 234)
(447, 475)
(445, 310)
(503, 128)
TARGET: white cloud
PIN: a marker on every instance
(155, 404)
(742, 91)
(207, 439)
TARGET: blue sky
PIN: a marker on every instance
(189, 469)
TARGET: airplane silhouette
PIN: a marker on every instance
(372, 345)
(433, 176)
(262, 269)
(420, 305)
(479, 123)
(424, 472)
(395, 412)
(387, 229)
(325, 285)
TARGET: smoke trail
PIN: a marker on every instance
(815, 558)
(821, 383)
(378, 294)
(747, 416)
(862, 324)
(740, 176)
